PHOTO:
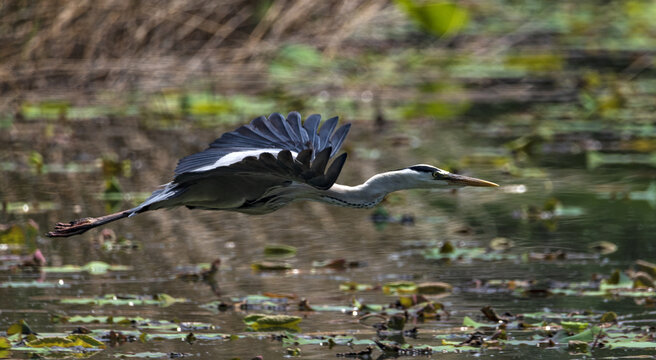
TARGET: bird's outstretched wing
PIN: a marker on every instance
(276, 146)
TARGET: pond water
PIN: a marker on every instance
(551, 217)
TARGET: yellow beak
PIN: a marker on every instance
(468, 181)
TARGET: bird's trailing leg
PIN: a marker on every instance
(81, 225)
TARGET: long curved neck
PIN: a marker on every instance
(368, 194)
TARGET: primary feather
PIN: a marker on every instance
(274, 132)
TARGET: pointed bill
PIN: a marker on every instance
(468, 181)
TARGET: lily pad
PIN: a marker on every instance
(263, 321)
(85, 341)
(469, 322)
(93, 268)
(400, 287)
(125, 300)
(434, 288)
(270, 266)
(34, 284)
(279, 250)
(353, 286)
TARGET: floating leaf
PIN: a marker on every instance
(617, 280)
(13, 236)
(501, 244)
(263, 321)
(30, 208)
(21, 327)
(632, 345)
(400, 287)
(577, 346)
(125, 300)
(290, 339)
(574, 326)
(642, 280)
(270, 266)
(96, 267)
(33, 284)
(4, 343)
(93, 268)
(587, 336)
(434, 288)
(337, 264)
(85, 341)
(603, 247)
(279, 250)
(469, 322)
(646, 266)
(293, 352)
(353, 286)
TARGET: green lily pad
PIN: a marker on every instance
(85, 341)
(270, 266)
(353, 286)
(434, 288)
(4, 343)
(93, 268)
(588, 335)
(20, 328)
(122, 320)
(400, 287)
(125, 300)
(574, 326)
(34, 284)
(263, 321)
(469, 322)
(279, 250)
(632, 345)
(160, 336)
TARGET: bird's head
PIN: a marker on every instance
(427, 176)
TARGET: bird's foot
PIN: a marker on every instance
(72, 228)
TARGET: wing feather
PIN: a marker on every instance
(294, 120)
(338, 138)
(311, 125)
(325, 132)
(283, 130)
(261, 126)
(285, 148)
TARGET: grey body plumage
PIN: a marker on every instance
(268, 163)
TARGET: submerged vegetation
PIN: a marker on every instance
(552, 100)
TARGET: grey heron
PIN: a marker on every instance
(264, 165)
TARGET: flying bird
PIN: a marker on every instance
(262, 166)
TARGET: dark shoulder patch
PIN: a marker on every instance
(423, 168)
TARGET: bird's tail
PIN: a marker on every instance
(81, 225)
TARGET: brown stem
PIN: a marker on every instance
(81, 225)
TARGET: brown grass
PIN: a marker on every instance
(82, 45)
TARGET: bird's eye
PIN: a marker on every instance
(436, 175)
